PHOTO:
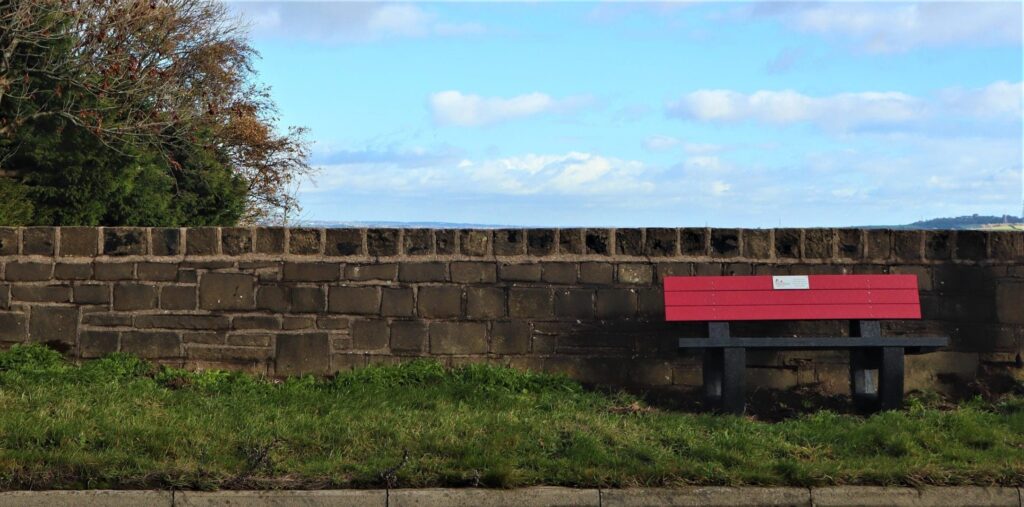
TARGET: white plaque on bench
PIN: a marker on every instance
(790, 283)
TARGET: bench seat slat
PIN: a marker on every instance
(792, 312)
(792, 297)
(807, 343)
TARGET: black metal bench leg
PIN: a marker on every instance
(890, 379)
(862, 382)
(734, 374)
(712, 372)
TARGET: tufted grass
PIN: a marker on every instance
(120, 422)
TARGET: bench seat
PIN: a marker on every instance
(910, 344)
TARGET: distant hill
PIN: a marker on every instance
(413, 225)
(965, 222)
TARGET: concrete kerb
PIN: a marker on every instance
(861, 496)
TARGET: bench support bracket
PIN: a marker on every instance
(724, 372)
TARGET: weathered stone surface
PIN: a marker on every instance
(78, 241)
(72, 271)
(1010, 302)
(787, 243)
(41, 293)
(311, 272)
(107, 319)
(226, 291)
(693, 242)
(202, 240)
(907, 245)
(9, 243)
(86, 498)
(382, 242)
(183, 321)
(303, 353)
(166, 241)
(444, 241)
(275, 298)
(397, 302)
(598, 241)
(879, 244)
(323, 498)
(474, 272)
(475, 243)
(439, 302)
(269, 240)
(113, 270)
(574, 303)
(152, 344)
(849, 243)
(236, 240)
(417, 241)
(484, 303)
(354, 300)
(635, 274)
(938, 245)
(91, 294)
(249, 340)
(97, 343)
(134, 296)
(757, 243)
(1007, 245)
(458, 337)
(867, 496)
(629, 242)
(616, 303)
(408, 336)
(293, 323)
(422, 272)
(304, 241)
(156, 271)
(28, 271)
(471, 497)
(725, 243)
(344, 242)
(818, 243)
(519, 272)
(530, 303)
(971, 245)
(571, 241)
(369, 334)
(510, 337)
(247, 322)
(13, 327)
(540, 242)
(661, 242)
(366, 272)
(509, 242)
(38, 240)
(706, 496)
(596, 273)
(307, 300)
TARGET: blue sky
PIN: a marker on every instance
(653, 114)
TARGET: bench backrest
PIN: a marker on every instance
(813, 297)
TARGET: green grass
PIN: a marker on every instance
(122, 423)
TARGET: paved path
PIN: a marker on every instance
(845, 496)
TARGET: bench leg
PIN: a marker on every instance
(890, 378)
(712, 372)
(734, 373)
(862, 383)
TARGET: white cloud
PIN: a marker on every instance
(999, 99)
(720, 188)
(661, 143)
(882, 27)
(703, 163)
(453, 107)
(841, 111)
(572, 173)
(335, 22)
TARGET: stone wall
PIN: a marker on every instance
(583, 301)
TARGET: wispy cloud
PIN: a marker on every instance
(888, 27)
(847, 111)
(339, 22)
(455, 108)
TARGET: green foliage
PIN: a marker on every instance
(119, 422)
(17, 206)
(71, 177)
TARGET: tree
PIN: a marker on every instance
(158, 102)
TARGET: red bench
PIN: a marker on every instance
(862, 299)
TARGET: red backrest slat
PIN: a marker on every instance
(710, 298)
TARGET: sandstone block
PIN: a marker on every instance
(354, 300)
(226, 291)
(303, 353)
